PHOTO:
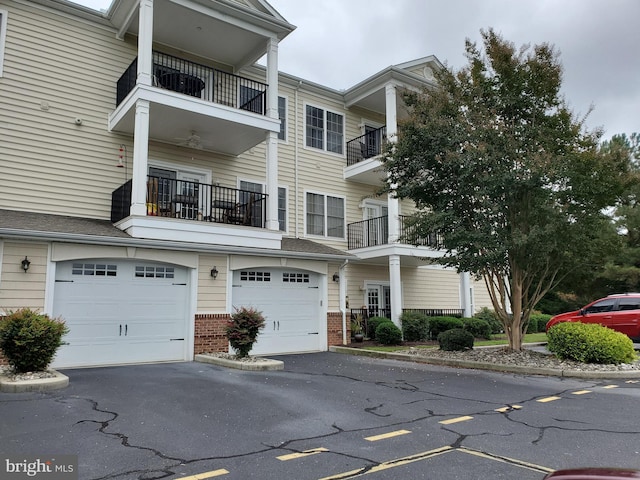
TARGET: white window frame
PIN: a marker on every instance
(264, 188)
(325, 229)
(285, 119)
(324, 130)
(3, 36)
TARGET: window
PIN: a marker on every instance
(324, 130)
(257, 213)
(602, 306)
(289, 277)
(282, 115)
(250, 276)
(3, 34)
(325, 215)
(94, 269)
(154, 272)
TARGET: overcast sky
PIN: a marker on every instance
(341, 42)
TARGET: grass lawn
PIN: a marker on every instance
(500, 339)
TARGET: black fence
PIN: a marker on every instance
(366, 146)
(375, 231)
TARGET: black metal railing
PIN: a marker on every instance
(187, 200)
(366, 146)
(437, 312)
(200, 81)
(375, 231)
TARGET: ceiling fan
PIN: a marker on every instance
(192, 141)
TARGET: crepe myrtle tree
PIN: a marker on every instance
(497, 164)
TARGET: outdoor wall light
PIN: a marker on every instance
(214, 272)
(336, 277)
(25, 264)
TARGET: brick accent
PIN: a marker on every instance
(334, 328)
(209, 333)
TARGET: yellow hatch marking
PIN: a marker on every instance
(384, 436)
(456, 420)
(632, 381)
(202, 476)
(610, 386)
(548, 399)
(306, 453)
(514, 461)
(508, 407)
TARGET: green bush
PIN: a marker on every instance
(243, 328)
(490, 317)
(537, 322)
(30, 339)
(388, 333)
(455, 339)
(415, 326)
(590, 343)
(477, 327)
(372, 325)
(437, 325)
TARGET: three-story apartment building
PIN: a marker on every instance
(153, 178)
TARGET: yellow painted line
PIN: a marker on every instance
(456, 420)
(384, 436)
(548, 399)
(632, 381)
(514, 461)
(202, 476)
(581, 392)
(508, 407)
(390, 464)
(610, 386)
(306, 453)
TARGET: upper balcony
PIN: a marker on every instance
(369, 240)
(364, 163)
(225, 112)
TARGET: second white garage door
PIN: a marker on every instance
(290, 302)
(121, 312)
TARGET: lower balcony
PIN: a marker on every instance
(181, 210)
(363, 157)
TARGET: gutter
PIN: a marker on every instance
(343, 302)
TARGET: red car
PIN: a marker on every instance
(618, 312)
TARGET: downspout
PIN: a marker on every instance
(343, 300)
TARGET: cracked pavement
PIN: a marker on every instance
(179, 420)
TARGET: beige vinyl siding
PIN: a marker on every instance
(480, 296)
(358, 275)
(431, 288)
(212, 293)
(333, 290)
(17, 288)
(58, 68)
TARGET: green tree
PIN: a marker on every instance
(497, 163)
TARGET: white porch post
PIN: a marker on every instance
(392, 130)
(465, 294)
(145, 42)
(140, 157)
(395, 280)
(272, 137)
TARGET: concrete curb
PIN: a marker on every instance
(56, 382)
(265, 364)
(450, 362)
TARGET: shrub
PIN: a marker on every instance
(455, 339)
(243, 328)
(490, 317)
(537, 322)
(477, 327)
(388, 333)
(372, 325)
(590, 343)
(437, 325)
(415, 326)
(30, 339)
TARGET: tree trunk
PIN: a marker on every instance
(514, 330)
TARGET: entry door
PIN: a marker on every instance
(377, 231)
(166, 187)
(379, 300)
(191, 190)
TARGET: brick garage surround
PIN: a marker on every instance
(209, 333)
(334, 328)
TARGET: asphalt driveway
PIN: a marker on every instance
(322, 417)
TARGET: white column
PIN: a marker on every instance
(392, 130)
(145, 42)
(395, 280)
(140, 157)
(272, 137)
(465, 294)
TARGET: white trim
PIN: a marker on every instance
(365, 122)
(324, 132)
(325, 195)
(50, 281)
(180, 169)
(1, 258)
(285, 140)
(264, 188)
(3, 36)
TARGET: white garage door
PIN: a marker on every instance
(290, 303)
(121, 312)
